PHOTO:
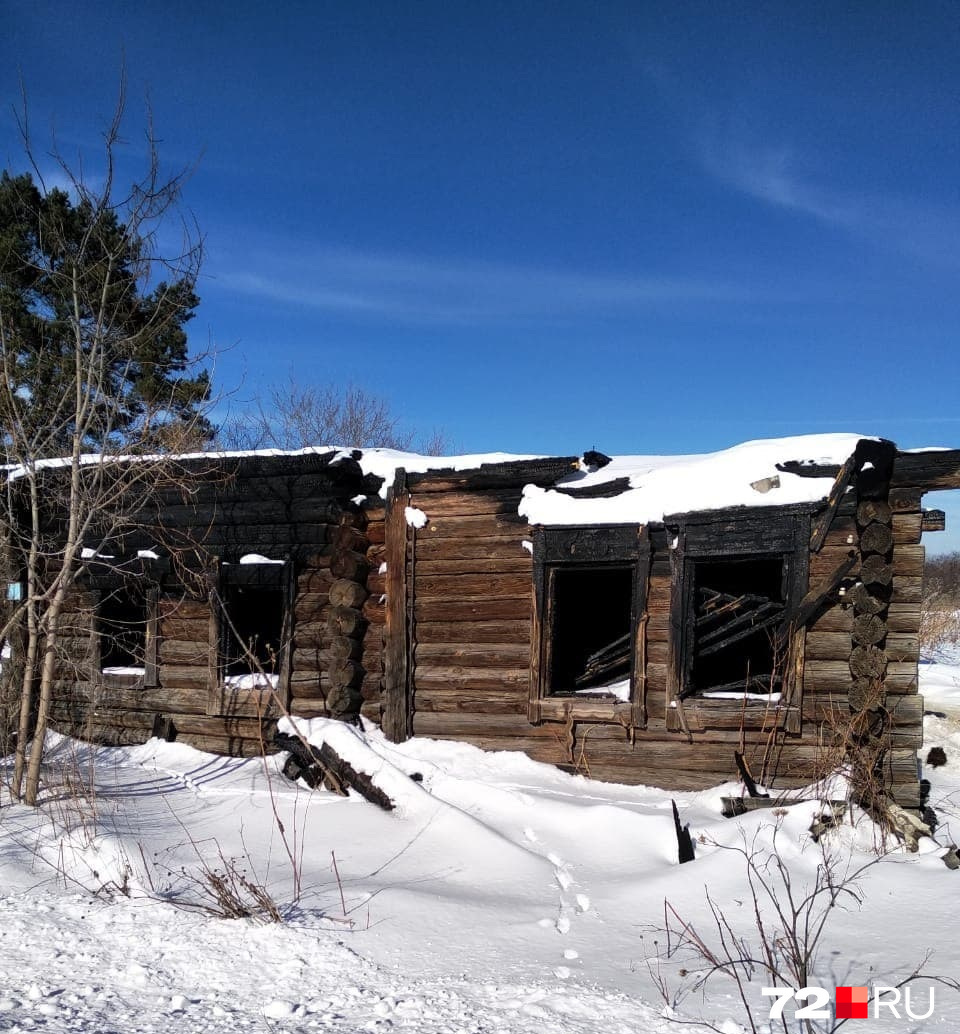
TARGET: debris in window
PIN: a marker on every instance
(738, 607)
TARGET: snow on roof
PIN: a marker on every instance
(661, 485)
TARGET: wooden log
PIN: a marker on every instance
(347, 673)
(374, 612)
(348, 564)
(905, 500)
(467, 702)
(519, 562)
(474, 632)
(866, 601)
(315, 580)
(344, 702)
(507, 527)
(309, 605)
(472, 727)
(343, 648)
(478, 609)
(478, 551)
(874, 570)
(828, 646)
(346, 537)
(832, 619)
(459, 587)
(466, 504)
(324, 764)
(345, 621)
(840, 485)
(907, 590)
(871, 510)
(180, 653)
(907, 528)
(903, 617)
(819, 595)
(347, 593)
(185, 677)
(465, 677)
(867, 662)
(309, 708)
(187, 629)
(483, 655)
(908, 561)
(903, 646)
(376, 532)
(928, 470)
(868, 629)
(866, 694)
(377, 584)
(311, 635)
(876, 538)
(230, 746)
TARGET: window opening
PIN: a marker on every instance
(122, 628)
(738, 609)
(591, 647)
(253, 629)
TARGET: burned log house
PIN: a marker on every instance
(648, 650)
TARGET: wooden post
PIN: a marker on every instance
(397, 705)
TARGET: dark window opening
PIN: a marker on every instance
(590, 642)
(253, 629)
(738, 610)
(122, 628)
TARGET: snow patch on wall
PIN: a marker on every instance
(415, 518)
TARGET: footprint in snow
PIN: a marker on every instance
(583, 903)
(563, 924)
(530, 836)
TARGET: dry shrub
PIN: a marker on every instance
(939, 624)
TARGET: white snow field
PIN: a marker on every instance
(500, 895)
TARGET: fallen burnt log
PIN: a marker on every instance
(324, 766)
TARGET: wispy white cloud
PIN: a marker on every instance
(779, 175)
(418, 289)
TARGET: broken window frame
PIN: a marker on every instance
(567, 548)
(754, 532)
(254, 700)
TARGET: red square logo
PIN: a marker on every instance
(853, 1003)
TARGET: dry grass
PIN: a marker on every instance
(939, 623)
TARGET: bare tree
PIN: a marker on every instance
(93, 357)
(294, 416)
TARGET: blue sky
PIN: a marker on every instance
(546, 227)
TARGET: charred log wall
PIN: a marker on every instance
(295, 509)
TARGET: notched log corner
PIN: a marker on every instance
(324, 766)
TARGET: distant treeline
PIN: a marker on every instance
(941, 577)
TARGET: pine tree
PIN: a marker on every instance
(76, 273)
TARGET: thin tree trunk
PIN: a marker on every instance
(24, 729)
(46, 693)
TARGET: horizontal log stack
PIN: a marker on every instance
(465, 617)
(428, 627)
(297, 509)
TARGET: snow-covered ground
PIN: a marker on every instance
(499, 895)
